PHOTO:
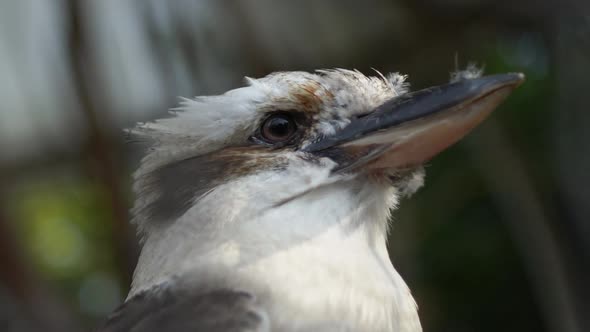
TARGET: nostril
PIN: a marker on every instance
(360, 116)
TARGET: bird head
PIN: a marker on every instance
(298, 136)
(284, 188)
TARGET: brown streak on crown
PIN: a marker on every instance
(311, 96)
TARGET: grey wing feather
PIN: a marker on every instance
(166, 309)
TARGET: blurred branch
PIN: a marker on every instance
(30, 299)
(506, 176)
(12, 271)
(102, 163)
(570, 46)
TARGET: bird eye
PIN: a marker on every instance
(278, 128)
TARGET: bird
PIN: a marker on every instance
(267, 208)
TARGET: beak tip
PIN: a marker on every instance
(514, 78)
(488, 84)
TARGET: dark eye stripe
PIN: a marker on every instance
(177, 185)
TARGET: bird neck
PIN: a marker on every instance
(238, 231)
(323, 254)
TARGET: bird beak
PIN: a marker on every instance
(408, 130)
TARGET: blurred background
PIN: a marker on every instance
(498, 239)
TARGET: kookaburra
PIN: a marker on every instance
(267, 208)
